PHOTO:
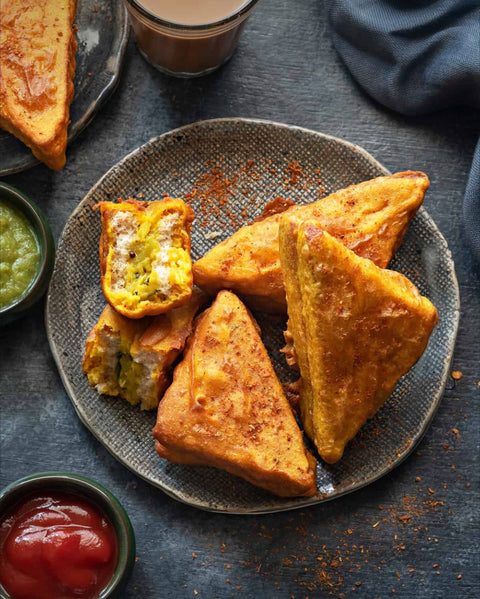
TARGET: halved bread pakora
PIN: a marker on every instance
(356, 328)
(226, 407)
(133, 358)
(37, 68)
(145, 261)
(370, 218)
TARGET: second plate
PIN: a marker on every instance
(102, 38)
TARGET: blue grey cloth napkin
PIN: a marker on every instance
(416, 56)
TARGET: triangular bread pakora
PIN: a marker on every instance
(226, 407)
(370, 218)
(356, 328)
(37, 68)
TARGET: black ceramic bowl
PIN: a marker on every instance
(96, 494)
(46, 247)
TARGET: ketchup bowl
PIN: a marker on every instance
(63, 535)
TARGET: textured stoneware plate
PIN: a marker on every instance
(255, 162)
(102, 38)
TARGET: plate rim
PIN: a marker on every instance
(95, 106)
(295, 503)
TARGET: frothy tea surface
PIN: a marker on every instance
(192, 12)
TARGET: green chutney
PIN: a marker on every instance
(19, 255)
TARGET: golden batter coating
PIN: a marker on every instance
(37, 69)
(133, 358)
(226, 407)
(370, 218)
(356, 328)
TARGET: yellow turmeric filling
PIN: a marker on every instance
(129, 376)
(156, 262)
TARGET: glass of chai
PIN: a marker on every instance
(188, 38)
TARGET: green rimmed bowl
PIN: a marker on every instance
(95, 493)
(46, 247)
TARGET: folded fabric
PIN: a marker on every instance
(416, 57)
(471, 204)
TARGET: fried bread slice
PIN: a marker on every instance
(370, 218)
(37, 68)
(356, 328)
(226, 407)
(145, 261)
(133, 358)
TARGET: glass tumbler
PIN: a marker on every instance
(186, 50)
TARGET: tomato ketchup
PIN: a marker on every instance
(56, 545)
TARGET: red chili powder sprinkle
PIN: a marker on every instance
(212, 194)
(293, 173)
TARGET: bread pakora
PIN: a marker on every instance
(133, 358)
(37, 68)
(356, 328)
(145, 261)
(370, 218)
(226, 407)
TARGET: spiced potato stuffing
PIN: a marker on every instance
(145, 261)
(146, 276)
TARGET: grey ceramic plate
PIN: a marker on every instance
(102, 38)
(259, 159)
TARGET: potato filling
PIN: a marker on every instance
(129, 376)
(151, 254)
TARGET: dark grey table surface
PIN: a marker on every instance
(414, 533)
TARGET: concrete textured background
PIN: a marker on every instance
(426, 541)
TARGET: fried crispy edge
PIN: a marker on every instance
(288, 239)
(167, 336)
